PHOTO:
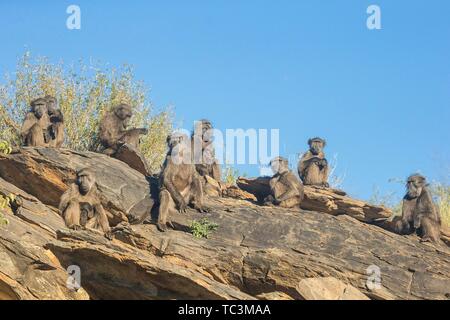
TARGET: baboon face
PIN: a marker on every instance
(414, 186)
(39, 108)
(51, 104)
(85, 181)
(207, 130)
(179, 145)
(316, 146)
(123, 112)
(279, 165)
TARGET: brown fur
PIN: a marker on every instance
(34, 131)
(180, 184)
(419, 213)
(313, 166)
(286, 190)
(205, 162)
(57, 123)
(113, 130)
(80, 205)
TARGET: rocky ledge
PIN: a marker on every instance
(328, 249)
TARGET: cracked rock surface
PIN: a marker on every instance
(256, 252)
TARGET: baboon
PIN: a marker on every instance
(80, 205)
(179, 183)
(56, 129)
(203, 153)
(313, 167)
(34, 131)
(419, 212)
(113, 130)
(286, 189)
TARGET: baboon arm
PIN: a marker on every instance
(167, 183)
(102, 218)
(198, 191)
(302, 164)
(291, 190)
(28, 122)
(66, 198)
(216, 171)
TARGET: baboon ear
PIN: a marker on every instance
(309, 142)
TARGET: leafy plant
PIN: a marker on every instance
(202, 228)
(5, 147)
(5, 203)
(84, 93)
(230, 175)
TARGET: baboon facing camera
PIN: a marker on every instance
(419, 213)
(313, 167)
(180, 184)
(80, 205)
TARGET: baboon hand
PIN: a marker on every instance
(76, 227)
(143, 131)
(203, 209)
(182, 206)
(417, 222)
(161, 227)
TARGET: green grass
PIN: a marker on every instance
(202, 228)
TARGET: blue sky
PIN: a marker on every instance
(309, 68)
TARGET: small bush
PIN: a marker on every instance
(441, 194)
(5, 203)
(230, 175)
(202, 228)
(5, 147)
(84, 93)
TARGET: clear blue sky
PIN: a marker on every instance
(310, 68)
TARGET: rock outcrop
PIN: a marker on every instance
(256, 253)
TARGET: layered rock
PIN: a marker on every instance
(256, 252)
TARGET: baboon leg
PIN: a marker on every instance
(430, 230)
(166, 207)
(131, 137)
(35, 137)
(72, 216)
(196, 196)
(102, 221)
(291, 203)
(58, 128)
(312, 175)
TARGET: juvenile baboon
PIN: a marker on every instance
(203, 152)
(56, 129)
(313, 167)
(286, 189)
(80, 205)
(34, 131)
(179, 184)
(419, 212)
(113, 130)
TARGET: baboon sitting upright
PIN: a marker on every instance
(80, 205)
(56, 129)
(286, 189)
(313, 167)
(179, 184)
(419, 212)
(113, 130)
(203, 150)
(34, 131)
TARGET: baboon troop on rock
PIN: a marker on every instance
(188, 169)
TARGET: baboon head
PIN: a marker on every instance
(204, 129)
(279, 165)
(39, 107)
(52, 104)
(179, 147)
(85, 181)
(316, 145)
(415, 185)
(123, 112)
